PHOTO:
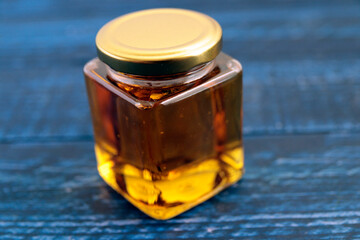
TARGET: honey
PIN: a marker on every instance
(169, 141)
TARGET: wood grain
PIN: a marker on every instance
(309, 51)
(301, 124)
(295, 187)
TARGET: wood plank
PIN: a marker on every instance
(301, 122)
(279, 32)
(55, 105)
(303, 186)
(38, 10)
(300, 59)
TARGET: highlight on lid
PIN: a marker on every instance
(159, 41)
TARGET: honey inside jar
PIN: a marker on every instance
(168, 142)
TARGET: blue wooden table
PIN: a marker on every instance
(301, 63)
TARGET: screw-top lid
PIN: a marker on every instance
(159, 41)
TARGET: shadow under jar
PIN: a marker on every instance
(166, 106)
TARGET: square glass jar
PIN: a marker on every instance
(167, 142)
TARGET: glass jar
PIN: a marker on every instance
(166, 106)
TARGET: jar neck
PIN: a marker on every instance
(178, 79)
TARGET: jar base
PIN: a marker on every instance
(176, 191)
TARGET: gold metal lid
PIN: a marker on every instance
(159, 41)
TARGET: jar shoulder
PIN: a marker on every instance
(227, 71)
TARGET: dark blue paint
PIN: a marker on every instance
(301, 124)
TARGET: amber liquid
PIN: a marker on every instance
(168, 149)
